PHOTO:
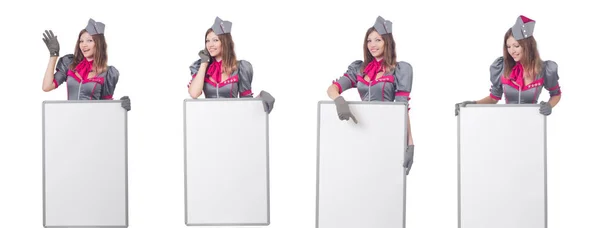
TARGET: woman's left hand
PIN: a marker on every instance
(268, 101)
(545, 108)
(408, 158)
(126, 103)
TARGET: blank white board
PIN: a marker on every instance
(84, 164)
(226, 162)
(360, 173)
(502, 166)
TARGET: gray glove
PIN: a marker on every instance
(268, 101)
(462, 104)
(545, 108)
(126, 103)
(408, 158)
(343, 109)
(51, 42)
(204, 56)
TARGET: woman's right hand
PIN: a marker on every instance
(52, 43)
(462, 104)
(343, 109)
(204, 56)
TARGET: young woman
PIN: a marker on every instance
(86, 72)
(520, 74)
(378, 77)
(218, 73)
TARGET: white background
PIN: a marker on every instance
(297, 49)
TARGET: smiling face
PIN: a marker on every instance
(213, 45)
(515, 50)
(375, 44)
(87, 46)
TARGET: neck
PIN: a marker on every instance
(89, 59)
(219, 58)
(378, 59)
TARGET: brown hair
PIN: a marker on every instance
(389, 51)
(229, 61)
(100, 55)
(530, 59)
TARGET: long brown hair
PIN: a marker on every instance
(229, 61)
(389, 51)
(530, 59)
(100, 54)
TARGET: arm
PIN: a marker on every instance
(110, 83)
(197, 84)
(554, 100)
(487, 100)
(410, 138)
(551, 82)
(53, 46)
(48, 83)
(345, 82)
(333, 92)
(246, 74)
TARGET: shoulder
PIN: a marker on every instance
(403, 73)
(403, 69)
(497, 69)
(112, 72)
(66, 59)
(498, 62)
(402, 65)
(244, 65)
(196, 63)
(355, 64)
(245, 72)
(550, 66)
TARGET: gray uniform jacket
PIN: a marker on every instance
(525, 94)
(100, 87)
(239, 83)
(392, 86)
